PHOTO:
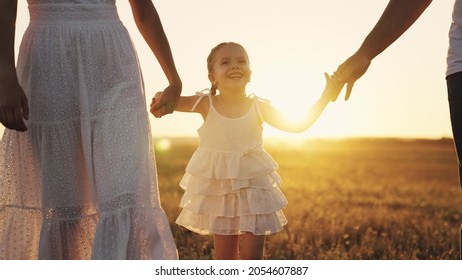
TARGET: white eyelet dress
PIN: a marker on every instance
(231, 185)
(81, 182)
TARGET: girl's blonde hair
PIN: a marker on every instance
(213, 88)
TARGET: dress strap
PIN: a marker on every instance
(201, 94)
(257, 105)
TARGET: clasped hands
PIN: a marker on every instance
(164, 102)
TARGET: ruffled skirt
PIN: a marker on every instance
(81, 182)
(232, 206)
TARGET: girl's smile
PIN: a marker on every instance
(235, 76)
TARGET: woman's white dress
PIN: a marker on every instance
(81, 183)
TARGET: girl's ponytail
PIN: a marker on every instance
(213, 90)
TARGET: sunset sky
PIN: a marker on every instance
(290, 44)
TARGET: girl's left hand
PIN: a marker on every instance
(333, 88)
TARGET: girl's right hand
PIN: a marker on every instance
(14, 107)
(167, 100)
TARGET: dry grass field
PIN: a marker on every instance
(348, 199)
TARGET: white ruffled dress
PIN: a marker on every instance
(231, 185)
(81, 183)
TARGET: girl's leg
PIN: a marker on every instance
(226, 247)
(252, 246)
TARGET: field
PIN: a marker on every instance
(348, 199)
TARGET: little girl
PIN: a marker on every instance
(231, 185)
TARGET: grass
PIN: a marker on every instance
(348, 199)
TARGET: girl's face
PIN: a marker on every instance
(230, 68)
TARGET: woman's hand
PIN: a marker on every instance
(165, 102)
(14, 106)
(155, 112)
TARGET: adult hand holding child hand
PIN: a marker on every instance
(333, 87)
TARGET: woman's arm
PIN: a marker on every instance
(149, 24)
(13, 102)
(278, 120)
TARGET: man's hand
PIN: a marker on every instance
(351, 70)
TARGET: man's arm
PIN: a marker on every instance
(398, 16)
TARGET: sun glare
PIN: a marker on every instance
(162, 145)
(294, 94)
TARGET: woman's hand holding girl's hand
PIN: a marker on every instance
(165, 102)
(153, 110)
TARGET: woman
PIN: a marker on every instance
(81, 182)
